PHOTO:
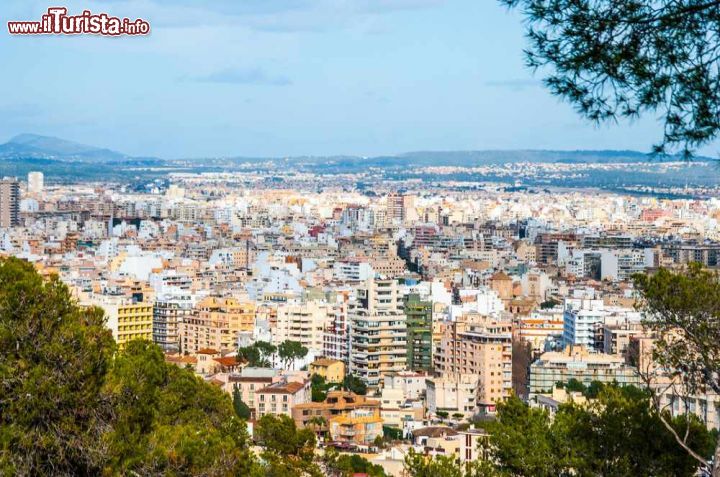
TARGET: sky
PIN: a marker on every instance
(292, 77)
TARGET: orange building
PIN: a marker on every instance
(346, 416)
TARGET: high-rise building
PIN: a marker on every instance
(480, 346)
(378, 334)
(9, 203)
(399, 207)
(581, 319)
(419, 333)
(336, 335)
(169, 312)
(36, 182)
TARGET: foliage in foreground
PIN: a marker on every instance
(625, 58)
(682, 310)
(343, 465)
(619, 434)
(287, 450)
(71, 405)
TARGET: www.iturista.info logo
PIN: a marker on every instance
(57, 22)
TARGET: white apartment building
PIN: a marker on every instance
(169, 313)
(36, 182)
(581, 317)
(622, 264)
(336, 335)
(411, 383)
(353, 271)
(378, 335)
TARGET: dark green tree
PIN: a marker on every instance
(354, 384)
(575, 386)
(318, 388)
(593, 390)
(289, 351)
(288, 451)
(522, 442)
(70, 405)
(267, 350)
(682, 310)
(167, 421)
(251, 355)
(343, 465)
(259, 354)
(54, 358)
(617, 434)
(241, 409)
(624, 58)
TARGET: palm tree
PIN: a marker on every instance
(317, 424)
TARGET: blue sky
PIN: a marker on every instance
(292, 77)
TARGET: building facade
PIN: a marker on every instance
(378, 335)
(9, 203)
(419, 333)
(216, 323)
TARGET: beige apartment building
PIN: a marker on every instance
(388, 265)
(9, 203)
(453, 393)
(577, 362)
(378, 334)
(216, 323)
(303, 322)
(480, 346)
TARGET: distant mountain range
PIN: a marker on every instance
(69, 162)
(33, 146)
(46, 147)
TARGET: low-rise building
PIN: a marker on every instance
(452, 393)
(280, 398)
(345, 416)
(577, 362)
(333, 370)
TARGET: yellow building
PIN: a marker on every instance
(128, 320)
(333, 370)
(135, 321)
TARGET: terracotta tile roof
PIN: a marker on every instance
(282, 388)
(181, 359)
(227, 361)
(208, 351)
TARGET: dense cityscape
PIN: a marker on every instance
(360, 238)
(388, 321)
